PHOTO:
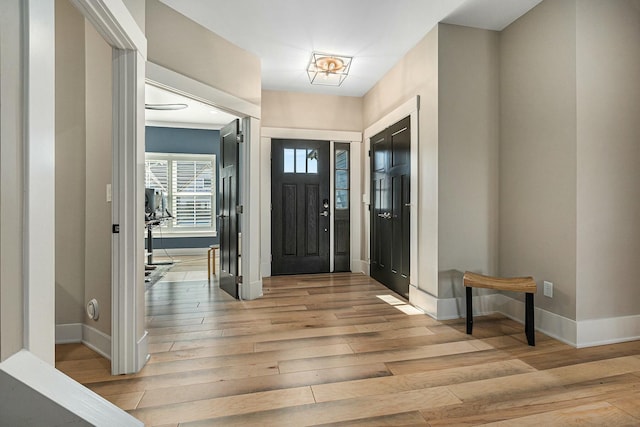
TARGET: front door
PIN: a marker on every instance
(300, 193)
(390, 206)
(228, 224)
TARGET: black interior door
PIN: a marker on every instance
(300, 221)
(228, 216)
(390, 206)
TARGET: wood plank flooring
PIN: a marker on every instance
(326, 350)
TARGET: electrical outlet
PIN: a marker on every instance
(548, 289)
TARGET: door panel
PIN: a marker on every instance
(300, 184)
(390, 232)
(228, 199)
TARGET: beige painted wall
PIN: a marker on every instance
(11, 184)
(98, 175)
(137, 9)
(311, 111)
(181, 45)
(468, 144)
(70, 164)
(416, 74)
(608, 153)
(538, 152)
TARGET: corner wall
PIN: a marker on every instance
(70, 164)
(538, 163)
(468, 151)
(608, 153)
(97, 281)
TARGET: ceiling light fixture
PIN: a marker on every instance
(328, 70)
(169, 107)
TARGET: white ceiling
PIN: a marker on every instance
(196, 116)
(284, 33)
(377, 33)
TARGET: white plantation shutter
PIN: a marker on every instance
(156, 174)
(188, 180)
(192, 195)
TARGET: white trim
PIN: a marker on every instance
(355, 140)
(180, 251)
(39, 178)
(409, 108)
(114, 23)
(186, 86)
(250, 221)
(143, 349)
(183, 125)
(97, 341)
(166, 234)
(45, 380)
(325, 135)
(127, 299)
(608, 331)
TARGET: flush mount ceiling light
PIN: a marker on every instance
(169, 107)
(328, 70)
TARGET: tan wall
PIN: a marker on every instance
(181, 45)
(469, 135)
(70, 164)
(608, 152)
(311, 111)
(416, 74)
(98, 175)
(11, 185)
(538, 151)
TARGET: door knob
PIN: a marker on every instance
(324, 213)
(222, 216)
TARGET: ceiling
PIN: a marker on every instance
(284, 33)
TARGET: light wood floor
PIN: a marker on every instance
(326, 350)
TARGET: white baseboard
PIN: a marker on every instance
(252, 290)
(551, 324)
(142, 350)
(180, 251)
(608, 331)
(69, 333)
(97, 341)
(358, 266)
(265, 268)
(89, 336)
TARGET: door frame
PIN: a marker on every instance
(409, 108)
(249, 157)
(354, 139)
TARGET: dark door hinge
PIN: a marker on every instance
(239, 209)
(240, 138)
(238, 280)
(115, 228)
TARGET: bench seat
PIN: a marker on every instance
(513, 284)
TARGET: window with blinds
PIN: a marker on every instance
(189, 182)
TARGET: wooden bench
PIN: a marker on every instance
(513, 284)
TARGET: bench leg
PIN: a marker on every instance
(469, 310)
(529, 323)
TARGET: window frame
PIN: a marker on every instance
(168, 227)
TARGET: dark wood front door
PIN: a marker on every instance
(228, 217)
(300, 193)
(390, 206)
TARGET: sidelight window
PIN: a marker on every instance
(342, 179)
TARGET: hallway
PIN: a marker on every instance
(340, 348)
